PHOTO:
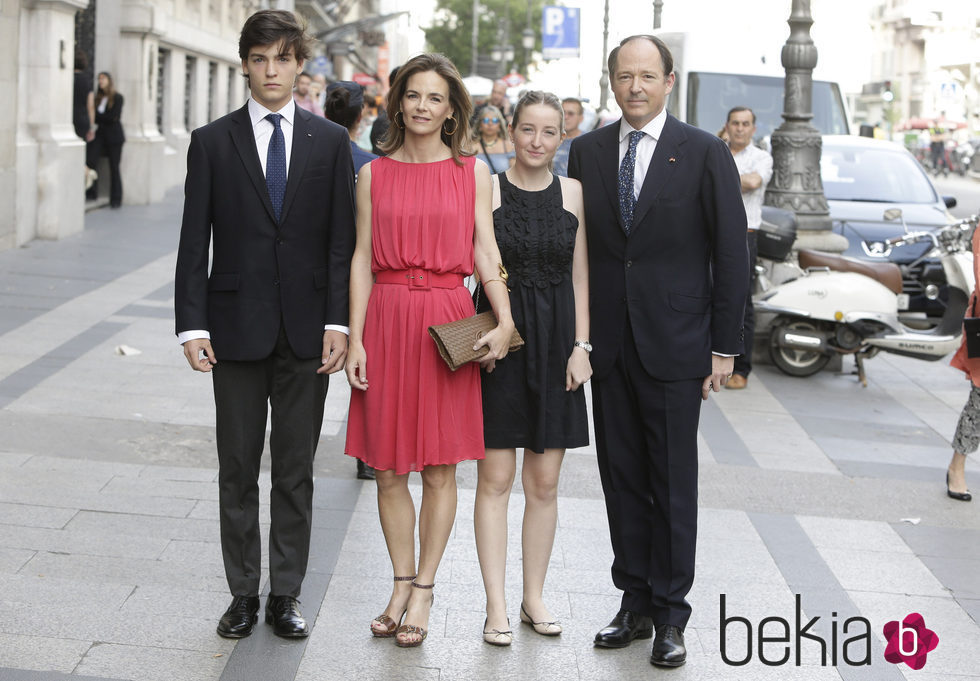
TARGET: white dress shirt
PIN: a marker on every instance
(644, 149)
(262, 129)
(752, 159)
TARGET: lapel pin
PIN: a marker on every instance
(671, 160)
(310, 134)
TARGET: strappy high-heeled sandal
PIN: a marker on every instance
(543, 628)
(388, 623)
(412, 628)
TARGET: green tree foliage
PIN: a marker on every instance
(452, 29)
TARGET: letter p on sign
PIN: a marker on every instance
(554, 17)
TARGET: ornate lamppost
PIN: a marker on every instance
(796, 144)
(604, 80)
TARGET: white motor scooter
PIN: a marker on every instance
(841, 305)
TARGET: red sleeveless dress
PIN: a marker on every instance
(416, 412)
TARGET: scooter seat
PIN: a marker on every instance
(886, 273)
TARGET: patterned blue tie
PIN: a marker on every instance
(275, 165)
(626, 180)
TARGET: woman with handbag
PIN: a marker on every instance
(967, 437)
(532, 399)
(423, 221)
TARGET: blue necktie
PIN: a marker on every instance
(275, 165)
(626, 180)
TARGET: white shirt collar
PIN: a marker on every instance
(257, 112)
(654, 128)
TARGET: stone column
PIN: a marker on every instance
(50, 157)
(796, 145)
(143, 167)
(9, 183)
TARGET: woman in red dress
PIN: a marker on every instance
(423, 221)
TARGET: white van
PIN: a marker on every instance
(708, 86)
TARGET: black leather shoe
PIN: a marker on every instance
(959, 496)
(625, 626)
(668, 647)
(283, 613)
(240, 617)
(364, 472)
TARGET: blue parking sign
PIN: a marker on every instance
(559, 32)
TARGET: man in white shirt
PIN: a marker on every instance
(754, 172)
(270, 188)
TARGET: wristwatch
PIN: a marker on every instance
(585, 345)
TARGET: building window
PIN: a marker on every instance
(163, 66)
(190, 80)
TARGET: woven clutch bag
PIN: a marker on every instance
(455, 340)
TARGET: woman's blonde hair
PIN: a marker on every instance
(455, 138)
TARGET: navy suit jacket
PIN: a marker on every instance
(264, 273)
(680, 277)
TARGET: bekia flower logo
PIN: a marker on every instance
(909, 641)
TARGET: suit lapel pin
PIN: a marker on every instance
(309, 134)
(671, 160)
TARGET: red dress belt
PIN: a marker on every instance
(418, 278)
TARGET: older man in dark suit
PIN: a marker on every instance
(668, 273)
(270, 188)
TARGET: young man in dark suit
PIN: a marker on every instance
(668, 269)
(270, 188)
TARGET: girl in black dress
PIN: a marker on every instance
(531, 399)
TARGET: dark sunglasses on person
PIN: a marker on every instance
(491, 120)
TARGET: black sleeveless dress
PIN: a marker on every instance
(525, 403)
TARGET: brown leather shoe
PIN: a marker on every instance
(736, 382)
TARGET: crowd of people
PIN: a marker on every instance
(631, 272)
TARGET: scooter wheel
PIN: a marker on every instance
(794, 361)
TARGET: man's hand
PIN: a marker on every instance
(721, 371)
(334, 352)
(193, 350)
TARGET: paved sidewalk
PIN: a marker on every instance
(110, 565)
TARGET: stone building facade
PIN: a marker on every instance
(176, 64)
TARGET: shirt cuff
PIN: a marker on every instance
(722, 354)
(185, 336)
(337, 327)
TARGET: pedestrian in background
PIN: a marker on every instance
(423, 219)
(303, 95)
(83, 110)
(344, 105)
(379, 128)
(269, 192)
(574, 114)
(754, 172)
(109, 138)
(491, 136)
(532, 400)
(966, 440)
(668, 272)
